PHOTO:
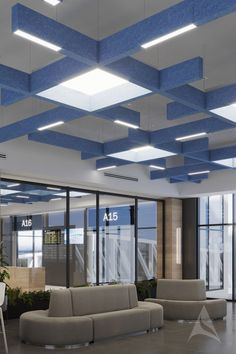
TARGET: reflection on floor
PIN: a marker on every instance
(172, 339)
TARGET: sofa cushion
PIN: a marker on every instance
(99, 299)
(60, 303)
(133, 298)
(116, 323)
(191, 310)
(156, 313)
(187, 290)
(37, 328)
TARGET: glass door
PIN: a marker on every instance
(116, 240)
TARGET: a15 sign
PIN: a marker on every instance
(112, 216)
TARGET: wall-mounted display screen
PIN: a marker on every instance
(52, 237)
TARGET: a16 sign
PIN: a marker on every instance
(26, 223)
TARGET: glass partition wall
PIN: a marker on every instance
(216, 243)
(58, 236)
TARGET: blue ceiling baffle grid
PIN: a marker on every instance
(82, 54)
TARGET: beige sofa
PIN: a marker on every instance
(84, 315)
(185, 299)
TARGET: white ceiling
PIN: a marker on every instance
(215, 42)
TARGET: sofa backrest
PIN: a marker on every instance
(60, 304)
(186, 290)
(99, 299)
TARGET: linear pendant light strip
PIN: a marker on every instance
(37, 40)
(169, 36)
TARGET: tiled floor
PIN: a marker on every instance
(172, 339)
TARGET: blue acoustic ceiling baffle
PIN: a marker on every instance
(72, 43)
(81, 55)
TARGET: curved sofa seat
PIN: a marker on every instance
(81, 315)
(186, 300)
(191, 310)
(156, 313)
(37, 328)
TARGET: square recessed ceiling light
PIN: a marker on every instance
(53, 2)
(94, 90)
(7, 192)
(228, 112)
(94, 82)
(227, 162)
(143, 153)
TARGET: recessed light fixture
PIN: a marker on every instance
(4, 192)
(192, 136)
(53, 2)
(45, 127)
(94, 82)
(142, 148)
(53, 189)
(230, 162)
(129, 125)
(198, 173)
(228, 112)
(106, 168)
(157, 167)
(13, 185)
(142, 153)
(22, 196)
(37, 40)
(169, 36)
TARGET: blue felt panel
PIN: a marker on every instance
(208, 125)
(158, 162)
(173, 146)
(136, 72)
(177, 110)
(180, 179)
(223, 153)
(28, 125)
(55, 73)
(198, 178)
(118, 146)
(9, 97)
(189, 161)
(87, 156)
(73, 43)
(180, 74)
(189, 96)
(139, 136)
(221, 97)
(14, 79)
(203, 156)
(120, 113)
(186, 178)
(67, 141)
(183, 170)
(209, 10)
(111, 161)
(129, 40)
(195, 145)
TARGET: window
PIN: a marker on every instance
(215, 232)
